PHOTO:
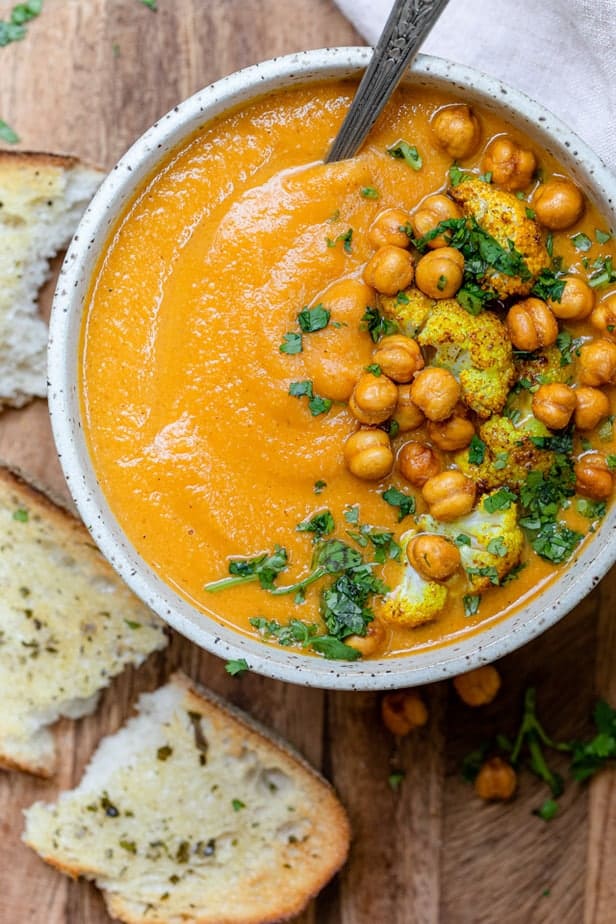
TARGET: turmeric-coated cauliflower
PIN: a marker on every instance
(414, 600)
(509, 454)
(409, 309)
(504, 217)
(476, 349)
(489, 538)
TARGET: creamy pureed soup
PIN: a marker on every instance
(359, 408)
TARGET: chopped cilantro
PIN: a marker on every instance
(334, 649)
(500, 500)
(591, 756)
(374, 369)
(321, 524)
(500, 461)
(603, 273)
(319, 486)
(301, 389)
(476, 451)
(377, 325)
(264, 569)
(456, 175)
(346, 237)
(486, 571)
(497, 547)
(530, 213)
(311, 319)
(611, 462)
(351, 514)
(14, 29)
(592, 510)
(237, 667)
(548, 286)
(291, 343)
(581, 241)
(567, 346)
(7, 134)
(462, 539)
(441, 283)
(402, 298)
(404, 502)
(606, 430)
(407, 152)
(602, 237)
(549, 244)
(318, 405)
(369, 192)
(471, 604)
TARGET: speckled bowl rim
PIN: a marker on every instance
(459, 654)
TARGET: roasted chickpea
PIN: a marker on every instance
(436, 558)
(369, 643)
(593, 477)
(407, 415)
(554, 404)
(390, 270)
(436, 392)
(511, 166)
(374, 398)
(591, 406)
(399, 357)
(478, 687)
(417, 462)
(457, 131)
(558, 204)
(452, 434)
(449, 495)
(403, 711)
(576, 302)
(603, 316)
(439, 274)
(368, 454)
(531, 325)
(597, 363)
(496, 780)
(431, 212)
(388, 228)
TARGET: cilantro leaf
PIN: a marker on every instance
(476, 451)
(291, 343)
(237, 667)
(407, 152)
(377, 325)
(321, 524)
(263, 568)
(312, 319)
(471, 604)
(500, 500)
(369, 192)
(404, 502)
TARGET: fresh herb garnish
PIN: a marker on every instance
(311, 319)
(456, 175)
(603, 273)
(346, 237)
(497, 547)
(488, 571)
(581, 241)
(404, 502)
(592, 510)
(291, 343)
(374, 369)
(606, 430)
(471, 604)
(548, 285)
(14, 29)
(591, 756)
(476, 451)
(500, 500)
(530, 213)
(316, 404)
(602, 237)
(321, 524)
(264, 568)
(407, 152)
(369, 192)
(7, 133)
(377, 325)
(548, 810)
(462, 539)
(567, 346)
(319, 486)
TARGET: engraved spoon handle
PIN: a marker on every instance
(408, 24)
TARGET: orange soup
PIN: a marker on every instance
(335, 426)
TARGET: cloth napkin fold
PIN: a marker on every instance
(560, 52)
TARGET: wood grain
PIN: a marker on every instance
(88, 79)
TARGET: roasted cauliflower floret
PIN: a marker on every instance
(509, 456)
(414, 600)
(543, 367)
(490, 540)
(503, 216)
(409, 309)
(476, 349)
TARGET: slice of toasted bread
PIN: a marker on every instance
(42, 197)
(67, 624)
(194, 813)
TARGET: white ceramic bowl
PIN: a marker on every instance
(499, 637)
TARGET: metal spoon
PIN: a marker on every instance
(408, 24)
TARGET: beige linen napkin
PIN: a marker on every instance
(562, 53)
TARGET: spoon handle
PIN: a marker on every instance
(408, 24)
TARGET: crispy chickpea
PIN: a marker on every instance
(449, 495)
(407, 415)
(439, 274)
(558, 204)
(431, 212)
(390, 270)
(603, 316)
(436, 392)
(593, 477)
(511, 166)
(554, 404)
(368, 454)
(417, 462)
(452, 434)
(374, 398)
(388, 228)
(576, 302)
(591, 406)
(457, 131)
(436, 558)
(403, 711)
(478, 687)
(399, 357)
(369, 643)
(496, 780)
(531, 325)
(597, 364)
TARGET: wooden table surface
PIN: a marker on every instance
(90, 76)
